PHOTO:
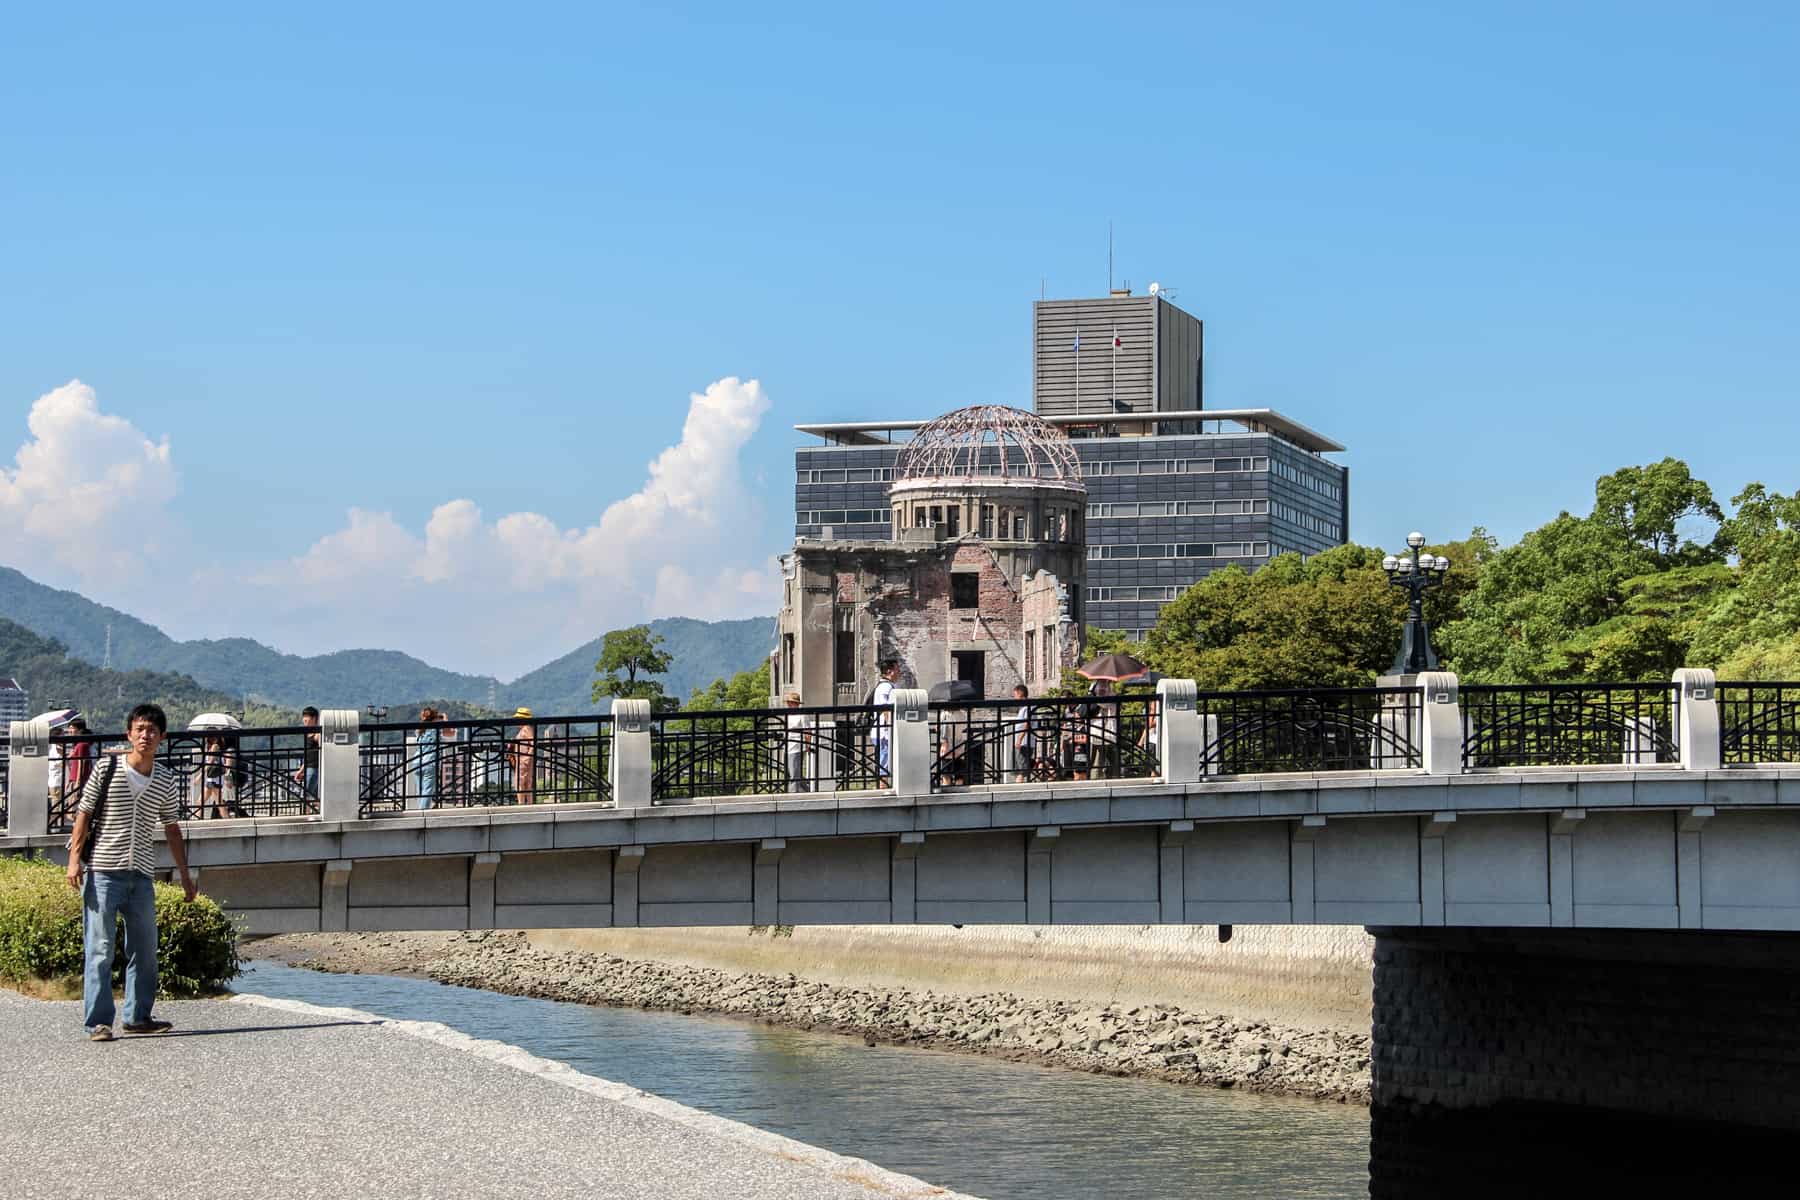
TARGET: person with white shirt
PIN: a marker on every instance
(881, 730)
(122, 806)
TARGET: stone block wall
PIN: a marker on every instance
(1310, 977)
(1525, 1057)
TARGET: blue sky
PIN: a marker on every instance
(385, 258)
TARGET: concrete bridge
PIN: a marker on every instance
(1584, 900)
(1639, 844)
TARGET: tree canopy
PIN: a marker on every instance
(1656, 576)
(625, 655)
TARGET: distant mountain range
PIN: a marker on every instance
(703, 651)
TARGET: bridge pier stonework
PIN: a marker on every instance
(1518, 1061)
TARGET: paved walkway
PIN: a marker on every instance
(275, 1099)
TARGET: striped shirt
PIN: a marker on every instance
(129, 824)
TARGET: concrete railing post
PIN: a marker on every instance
(28, 779)
(1440, 724)
(631, 753)
(340, 764)
(910, 752)
(1178, 730)
(1697, 725)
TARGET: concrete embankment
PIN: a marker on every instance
(1034, 995)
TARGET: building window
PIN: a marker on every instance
(965, 589)
(1049, 640)
(846, 656)
(1030, 654)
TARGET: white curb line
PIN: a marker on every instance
(838, 1166)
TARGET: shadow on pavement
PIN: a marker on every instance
(178, 1033)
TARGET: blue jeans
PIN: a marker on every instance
(310, 785)
(428, 782)
(104, 896)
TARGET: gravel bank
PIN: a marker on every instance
(1155, 1041)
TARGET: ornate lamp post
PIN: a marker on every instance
(1418, 574)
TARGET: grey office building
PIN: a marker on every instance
(15, 705)
(1175, 491)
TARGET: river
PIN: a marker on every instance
(1005, 1131)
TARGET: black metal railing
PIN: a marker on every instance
(5, 776)
(409, 765)
(1759, 723)
(1570, 724)
(762, 752)
(1322, 729)
(981, 742)
(221, 773)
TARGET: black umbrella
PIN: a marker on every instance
(1115, 667)
(954, 689)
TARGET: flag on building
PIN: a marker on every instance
(1077, 346)
(1116, 342)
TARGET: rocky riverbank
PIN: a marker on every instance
(1155, 1041)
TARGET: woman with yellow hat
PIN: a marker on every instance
(521, 751)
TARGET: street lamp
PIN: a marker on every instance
(1418, 574)
(376, 712)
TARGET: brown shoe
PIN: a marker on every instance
(100, 1033)
(135, 1027)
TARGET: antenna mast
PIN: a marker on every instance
(1109, 259)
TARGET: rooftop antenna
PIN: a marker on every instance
(106, 659)
(1109, 258)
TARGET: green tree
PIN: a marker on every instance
(745, 689)
(1329, 621)
(1648, 505)
(1612, 595)
(625, 655)
(1752, 630)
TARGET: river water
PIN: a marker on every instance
(1005, 1131)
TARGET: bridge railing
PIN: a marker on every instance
(343, 770)
(762, 752)
(1759, 723)
(981, 742)
(419, 765)
(1319, 729)
(1570, 724)
(221, 773)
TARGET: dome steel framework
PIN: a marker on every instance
(956, 447)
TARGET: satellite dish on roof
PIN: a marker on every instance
(1155, 288)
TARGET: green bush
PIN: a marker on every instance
(40, 932)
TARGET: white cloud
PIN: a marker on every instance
(88, 492)
(508, 594)
(498, 596)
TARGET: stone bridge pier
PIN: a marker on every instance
(1527, 1062)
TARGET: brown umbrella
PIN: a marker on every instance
(1115, 667)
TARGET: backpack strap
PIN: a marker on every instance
(106, 782)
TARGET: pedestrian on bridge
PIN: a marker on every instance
(115, 839)
(425, 755)
(881, 730)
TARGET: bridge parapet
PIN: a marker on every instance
(1178, 735)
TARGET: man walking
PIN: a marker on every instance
(121, 806)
